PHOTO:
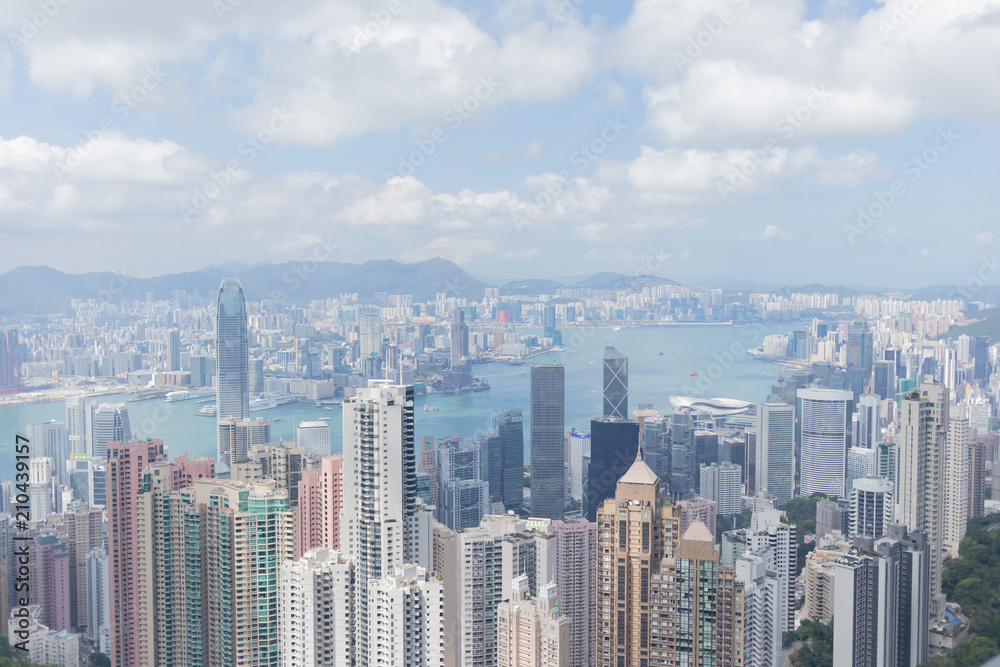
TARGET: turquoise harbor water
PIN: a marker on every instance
(718, 354)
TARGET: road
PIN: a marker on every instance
(786, 655)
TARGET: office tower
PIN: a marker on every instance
(321, 499)
(510, 434)
(775, 451)
(532, 632)
(884, 382)
(313, 437)
(10, 360)
(256, 379)
(576, 567)
(211, 591)
(370, 335)
(203, 369)
(832, 515)
(683, 458)
(110, 424)
(428, 466)
(40, 489)
(482, 559)
(548, 492)
(873, 505)
(237, 436)
(861, 462)
(48, 581)
(48, 439)
(459, 338)
(887, 461)
(463, 496)
(922, 440)
(173, 350)
(860, 355)
(380, 525)
(824, 427)
(82, 531)
(79, 427)
(880, 603)
(980, 357)
(409, 606)
(770, 537)
(124, 477)
(615, 383)
(750, 460)
(98, 599)
(317, 593)
(720, 483)
(614, 443)
(232, 351)
(869, 431)
(956, 488)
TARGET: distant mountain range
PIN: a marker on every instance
(41, 290)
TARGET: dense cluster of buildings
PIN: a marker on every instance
(611, 548)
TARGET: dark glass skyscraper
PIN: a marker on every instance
(613, 446)
(860, 356)
(232, 352)
(615, 385)
(548, 403)
(509, 436)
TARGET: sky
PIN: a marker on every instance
(843, 141)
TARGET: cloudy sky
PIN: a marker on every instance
(698, 139)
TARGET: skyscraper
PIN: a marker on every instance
(615, 384)
(825, 428)
(884, 382)
(873, 505)
(614, 443)
(720, 483)
(49, 439)
(79, 427)
(462, 495)
(957, 492)
(173, 350)
(576, 578)
(380, 525)
(548, 482)
(775, 450)
(237, 436)
(860, 355)
(923, 434)
(459, 338)
(317, 593)
(125, 465)
(233, 357)
(10, 360)
(869, 430)
(321, 500)
(110, 424)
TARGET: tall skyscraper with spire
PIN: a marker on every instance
(232, 351)
(615, 383)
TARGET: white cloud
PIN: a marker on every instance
(770, 233)
(981, 238)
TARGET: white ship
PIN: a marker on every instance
(187, 395)
(207, 411)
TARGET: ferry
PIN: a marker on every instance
(427, 409)
(660, 353)
(186, 395)
(262, 404)
(693, 372)
(207, 411)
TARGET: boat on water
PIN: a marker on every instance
(276, 419)
(328, 408)
(262, 404)
(693, 372)
(434, 409)
(187, 395)
(660, 353)
(207, 411)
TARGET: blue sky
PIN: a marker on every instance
(698, 138)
